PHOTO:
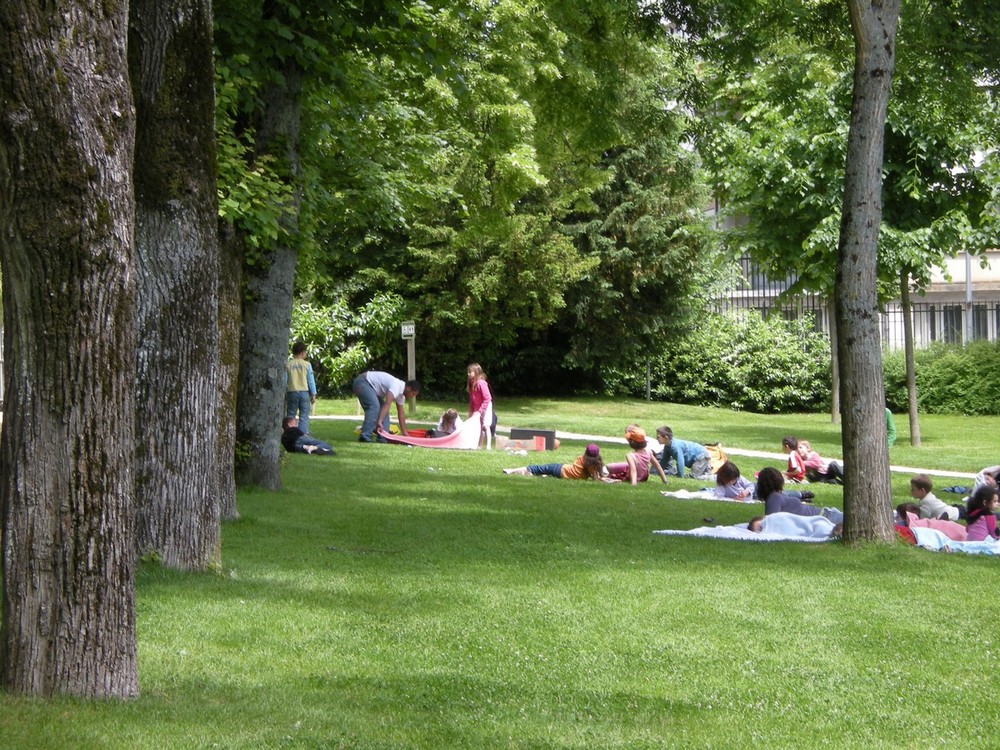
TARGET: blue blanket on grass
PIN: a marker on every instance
(777, 527)
(933, 539)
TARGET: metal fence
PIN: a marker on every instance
(947, 321)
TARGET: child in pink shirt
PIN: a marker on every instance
(819, 469)
(981, 520)
(480, 401)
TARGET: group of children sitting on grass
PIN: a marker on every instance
(635, 468)
(683, 458)
(978, 510)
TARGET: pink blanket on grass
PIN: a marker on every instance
(465, 438)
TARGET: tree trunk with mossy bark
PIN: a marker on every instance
(267, 307)
(66, 451)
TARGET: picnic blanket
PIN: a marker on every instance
(704, 495)
(465, 437)
(777, 527)
(933, 539)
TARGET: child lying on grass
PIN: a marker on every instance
(296, 441)
(587, 466)
(908, 515)
(729, 483)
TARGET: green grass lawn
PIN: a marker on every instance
(395, 597)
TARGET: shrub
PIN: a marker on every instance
(340, 340)
(951, 378)
(740, 360)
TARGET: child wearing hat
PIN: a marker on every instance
(635, 467)
(587, 466)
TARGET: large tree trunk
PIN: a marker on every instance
(867, 490)
(177, 507)
(911, 372)
(267, 310)
(67, 213)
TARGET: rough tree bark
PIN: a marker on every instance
(867, 491)
(831, 307)
(267, 307)
(177, 502)
(67, 213)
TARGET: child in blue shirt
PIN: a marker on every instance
(685, 454)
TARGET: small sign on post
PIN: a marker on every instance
(408, 329)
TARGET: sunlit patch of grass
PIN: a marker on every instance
(393, 597)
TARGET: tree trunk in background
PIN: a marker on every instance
(67, 213)
(170, 57)
(230, 301)
(831, 307)
(867, 491)
(267, 307)
(911, 372)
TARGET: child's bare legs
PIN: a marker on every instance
(487, 423)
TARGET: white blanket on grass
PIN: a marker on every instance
(704, 495)
(933, 539)
(777, 527)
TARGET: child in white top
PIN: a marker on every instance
(929, 505)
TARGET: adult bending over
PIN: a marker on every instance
(376, 391)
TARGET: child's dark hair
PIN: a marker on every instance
(922, 482)
(790, 442)
(727, 473)
(593, 466)
(413, 385)
(286, 422)
(903, 508)
(299, 347)
(665, 432)
(980, 496)
(769, 480)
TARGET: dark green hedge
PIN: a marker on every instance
(951, 379)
